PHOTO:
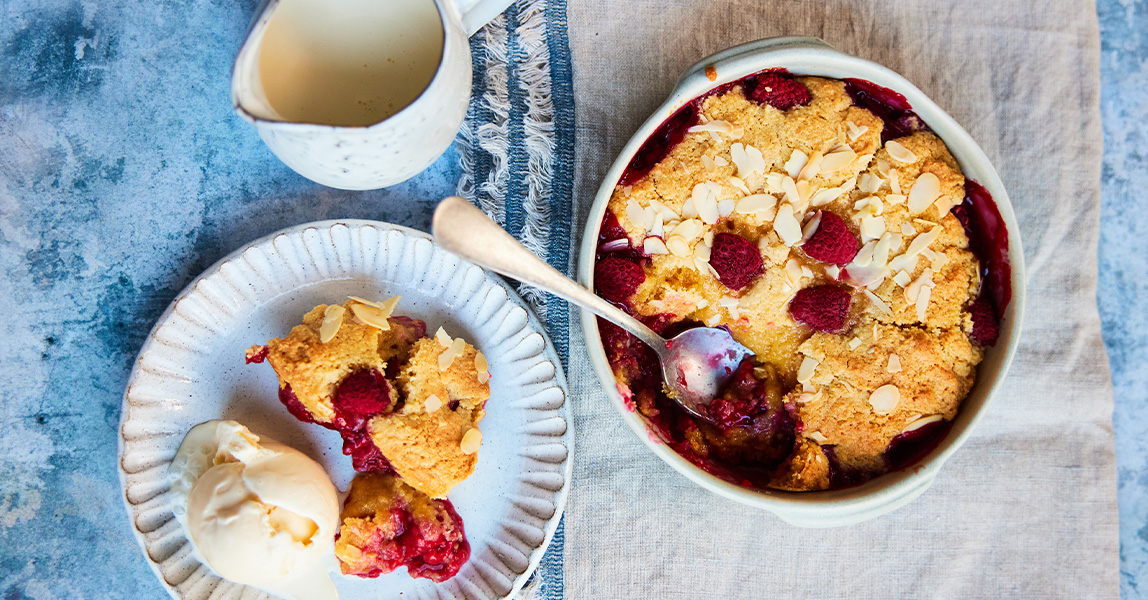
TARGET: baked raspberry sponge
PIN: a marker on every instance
(402, 402)
(790, 210)
(433, 439)
(386, 524)
(314, 368)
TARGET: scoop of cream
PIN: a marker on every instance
(256, 511)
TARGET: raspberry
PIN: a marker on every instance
(256, 354)
(780, 91)
(617, 279)
(364, 392)
(985, 327)
(736, 260)
(832, 242)
(822, 307)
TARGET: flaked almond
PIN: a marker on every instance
(895, 183)
(678, 246)
(627, 189)
(659, 227)
(705, 202)
(810, 227)
(899, 152)
(878, 303)
(471, 441)
(805, 192)
(853, 343)
(741, 186)
(702, 251)
(747, 159)
(907, 229)
(796, 162)
(773, 182)
(689, 210)
(865, 255)
(903, 278)
(871, 276)
(708, 239)
(885, 399)
(688, 229)
(920, 422)
(332, 321)
(817, 436)
(635, 213)
(715, 126)
(443, 338)
(881, 250)
(786, 225)
(895, 199)
(432, 403)
(792, 195)
(371, 315)
(720, 161)
(855, 131)
(758, 205)
(914, 288)
(923, 241)
(481, 366)
(894, 365)
(833, 271)
(446, 359)
(883, 167)
(708, 164)
(872, 228)
(653, 245)
(903, 262)
(805, 371)
(925, 191)
(811, 168)
(923, 303)
(838, 159)
(869, 183)
(725, 207)
(348, 553)
(793, 272)
(365, 301)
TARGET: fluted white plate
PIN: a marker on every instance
(191, 369)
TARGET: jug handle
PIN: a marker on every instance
(476, 13)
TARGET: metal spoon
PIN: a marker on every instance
(696, 363)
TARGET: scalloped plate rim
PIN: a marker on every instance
(550, 353)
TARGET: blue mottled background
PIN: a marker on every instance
(1123, 291)
(124, 173)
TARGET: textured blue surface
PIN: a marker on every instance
(123, 174)
(1123, 287)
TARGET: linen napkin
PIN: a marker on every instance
(1027, 508)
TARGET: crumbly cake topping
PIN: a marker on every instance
(779, 179)
(432, 441)
(332, 343)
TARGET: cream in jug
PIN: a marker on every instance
(349, 62)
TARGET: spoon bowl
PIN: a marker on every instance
(696, 364)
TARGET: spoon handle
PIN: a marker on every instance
(463, 229)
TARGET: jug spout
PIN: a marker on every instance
(247, 93)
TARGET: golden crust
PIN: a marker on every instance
(425, 447)
(936, 373)
(314, 369)
(368, 512)
(937, 358)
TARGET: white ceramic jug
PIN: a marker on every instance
(384, 153)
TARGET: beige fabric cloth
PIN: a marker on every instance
(1027, 508)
